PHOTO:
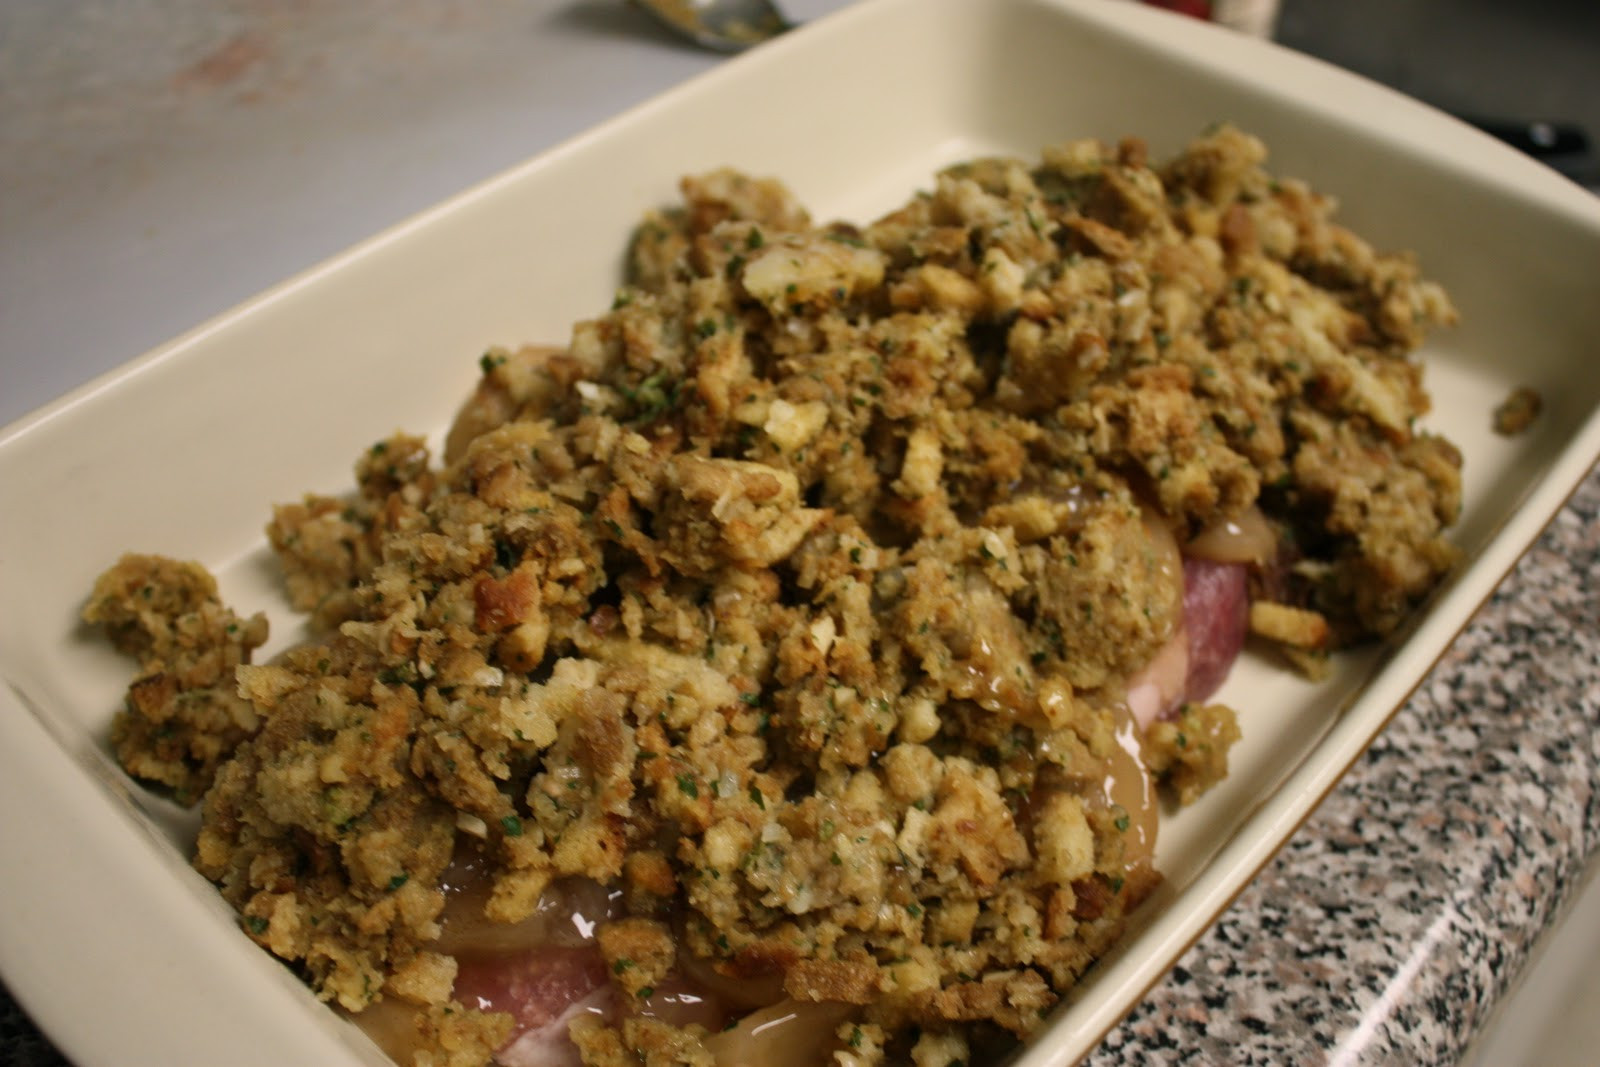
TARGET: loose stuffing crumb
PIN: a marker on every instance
(796, 597)
(1517, 411)
(182, 717)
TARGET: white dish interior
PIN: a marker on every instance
(183, 451)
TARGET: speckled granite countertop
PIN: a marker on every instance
(1391, 924)
(1396, 919)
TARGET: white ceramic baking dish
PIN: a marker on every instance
(181, 451)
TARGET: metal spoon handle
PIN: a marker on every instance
(722, 25)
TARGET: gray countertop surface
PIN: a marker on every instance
(161, 160)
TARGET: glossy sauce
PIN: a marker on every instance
(1246, 538)
(1127, 784)
(790, 1033)
(547, 969)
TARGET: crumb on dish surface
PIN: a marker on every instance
(798, 597)
(183, 715)
(1517, 411)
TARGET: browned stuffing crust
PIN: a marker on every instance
(797, 594)
(1517, 411)
(183, 715)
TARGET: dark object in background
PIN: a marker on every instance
(1200, 9)
(1481, 59)
(1563, 145)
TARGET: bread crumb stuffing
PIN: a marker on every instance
(796, 599)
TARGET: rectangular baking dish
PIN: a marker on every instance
(182, 451)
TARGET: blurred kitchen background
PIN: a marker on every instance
(1518, 63)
